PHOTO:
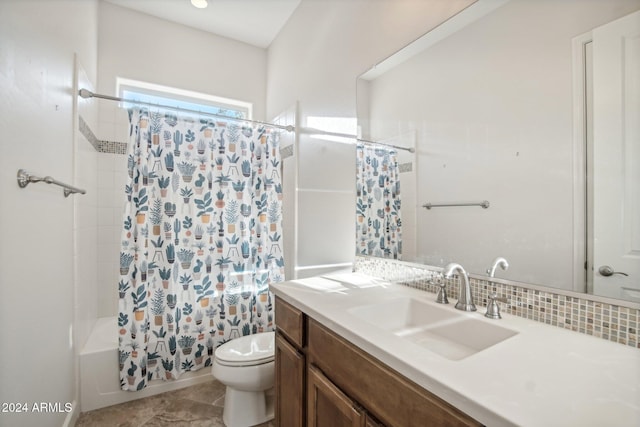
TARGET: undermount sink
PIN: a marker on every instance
(443, 331)
(460, 339)
(402, 315)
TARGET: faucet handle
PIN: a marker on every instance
(441, 298)
(493, 309)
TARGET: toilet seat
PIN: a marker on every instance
(249, 350)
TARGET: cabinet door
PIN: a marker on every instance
(289, 385)
(327, 406)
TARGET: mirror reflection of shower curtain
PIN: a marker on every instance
(201, 241)
(378, 219)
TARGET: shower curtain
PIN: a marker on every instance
(201, 241)
(378, 222)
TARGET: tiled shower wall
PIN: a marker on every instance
(111, 179)
(576, 313)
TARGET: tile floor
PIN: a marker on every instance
(198, 406)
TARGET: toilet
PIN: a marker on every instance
(246, 366)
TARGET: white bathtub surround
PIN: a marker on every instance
(540, 375)
(99, 382)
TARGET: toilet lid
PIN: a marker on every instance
(248, 350)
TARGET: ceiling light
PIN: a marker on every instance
(200, 4)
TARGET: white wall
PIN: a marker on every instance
(141, 47)
(37, 44)
(144, 48)
(492, 106)
(315, 60)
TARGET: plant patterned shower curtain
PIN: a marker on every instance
(201, 241)
(378, 222)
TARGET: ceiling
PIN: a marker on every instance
(256, 22)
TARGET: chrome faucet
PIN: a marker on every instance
(493, 309)
(497, 262)
(465, 300)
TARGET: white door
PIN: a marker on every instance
(616, 161)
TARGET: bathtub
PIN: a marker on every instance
(99, 376)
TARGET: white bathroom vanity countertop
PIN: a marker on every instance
(542, 376)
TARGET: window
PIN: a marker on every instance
(179, 98)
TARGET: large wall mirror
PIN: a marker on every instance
(533, 106)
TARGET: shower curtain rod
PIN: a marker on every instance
(85, 93)
(312, 131)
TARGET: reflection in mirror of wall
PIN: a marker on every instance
(496, 110)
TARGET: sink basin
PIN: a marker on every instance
(459, 339)
(442, 330)
(402, 315)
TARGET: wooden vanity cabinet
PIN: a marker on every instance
(322, 380)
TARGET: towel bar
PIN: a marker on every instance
(24, 179)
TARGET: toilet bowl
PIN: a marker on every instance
(246, 366)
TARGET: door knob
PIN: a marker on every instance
(606, 271)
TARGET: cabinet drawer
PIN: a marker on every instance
(290, 322)
(389, 396)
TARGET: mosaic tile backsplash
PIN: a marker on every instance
(603, 320)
